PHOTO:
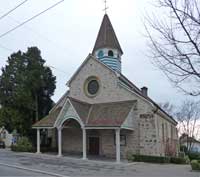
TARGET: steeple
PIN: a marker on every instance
(107, 47)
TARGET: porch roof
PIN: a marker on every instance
(49, 120)
(111, 114)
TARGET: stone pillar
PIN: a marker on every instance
(117, 140)
(59, 141)
(38, 141)
(84, 144)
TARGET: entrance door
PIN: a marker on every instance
(94, 145)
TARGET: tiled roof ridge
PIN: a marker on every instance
(112, 102)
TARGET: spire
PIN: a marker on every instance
(106, 36)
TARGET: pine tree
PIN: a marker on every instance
(26, 87)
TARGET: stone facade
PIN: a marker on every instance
(146, 137)
(144, 128)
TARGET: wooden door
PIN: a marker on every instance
(94, 145)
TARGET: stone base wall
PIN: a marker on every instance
(108, 143)
(72, 140)
(148, 135)
(52, 133)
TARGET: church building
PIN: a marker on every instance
(105, 114)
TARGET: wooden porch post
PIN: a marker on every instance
(84, 144)
(59, 141)
(117, 140)
(38, 141)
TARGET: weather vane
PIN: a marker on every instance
(105, 9)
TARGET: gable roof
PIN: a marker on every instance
(61, 101)
(134, 88)
(49, 120)
(82, 108)
(102, 114)
(109, 114)
(90, 56)
(106, 36)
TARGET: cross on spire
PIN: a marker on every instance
(106, 7)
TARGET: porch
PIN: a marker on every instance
(88, 129)
(72, 140)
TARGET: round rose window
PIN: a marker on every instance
(92, 86)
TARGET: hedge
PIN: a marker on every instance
(147, 158)
(195, 164)
(158, 159)
(23, 145)
(179, 160)
(194, 156)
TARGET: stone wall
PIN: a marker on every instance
(72, 140)
(166, 136)
(110, 91)
(145, 139)
(148, 137)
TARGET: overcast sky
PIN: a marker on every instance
(66, 35)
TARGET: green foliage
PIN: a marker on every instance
(183, 148)
(195, 164)
(23, 145)
(129, 156)
(25, 85)
(153, 159)
(158, 159)
(194, 156)
(179, 160)
(181, 154)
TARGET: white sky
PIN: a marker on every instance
(67, 33)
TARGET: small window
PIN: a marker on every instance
(122, 140)
(110, 53)
(163, 133)
(100, 54)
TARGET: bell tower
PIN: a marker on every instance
(107, 48)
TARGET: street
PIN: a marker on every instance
(9, 171)
(71, 166)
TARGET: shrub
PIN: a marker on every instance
(183, 148)
(178, 160)
(181, 154)
(154, 159)
(195, 164)
(187, 159)
(23, 145)
(194, 156)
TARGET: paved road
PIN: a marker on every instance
(9, 171)
(76, 167)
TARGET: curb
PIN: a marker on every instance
(32, 170)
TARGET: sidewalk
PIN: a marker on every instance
(70, 166)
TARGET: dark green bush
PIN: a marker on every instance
(195, 164)
(183, 148)
(194, 156)
(178, 160)
(153, 159)
(23, 145)
(181, 154)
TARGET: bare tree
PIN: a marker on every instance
(175, 42)
(188, 117)
(168, 108)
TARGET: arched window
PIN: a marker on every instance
(110, 53)
(100, 54)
